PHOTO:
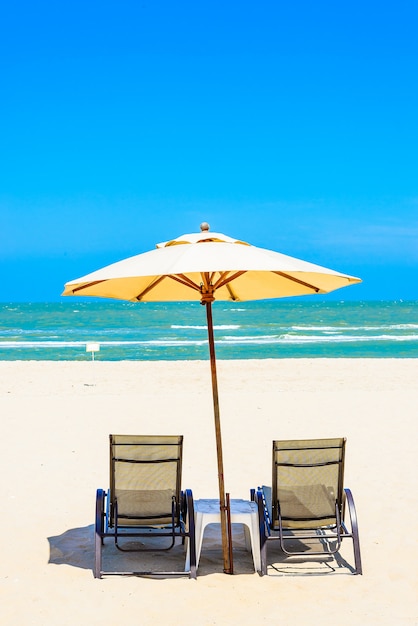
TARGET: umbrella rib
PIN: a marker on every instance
(87, 285)
(207, 279)
(180, 278)
(219, 281)
(224, 279)
(149, 288)
(184, 280)
(231, 293)
(296, 280)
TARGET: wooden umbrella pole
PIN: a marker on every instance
(222, 501)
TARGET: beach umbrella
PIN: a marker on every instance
(203, 267)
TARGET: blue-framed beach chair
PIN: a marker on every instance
(144, 500)
(307, 501)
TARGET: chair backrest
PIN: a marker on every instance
(145, 477)
(307, 482)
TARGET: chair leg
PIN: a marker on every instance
(257, 497)
(263, 554)
(192, 533)
(97, 556)
(354, 531)
(98, 533)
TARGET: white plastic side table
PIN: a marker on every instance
(242, 512)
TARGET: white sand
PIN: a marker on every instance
(56, 420)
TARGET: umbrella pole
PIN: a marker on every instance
(226, 539)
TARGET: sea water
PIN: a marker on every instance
(177, 331)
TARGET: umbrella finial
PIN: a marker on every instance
(204, 226)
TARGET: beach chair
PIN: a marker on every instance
(305, 507)
(145, 500)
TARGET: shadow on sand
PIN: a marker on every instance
(75, 547)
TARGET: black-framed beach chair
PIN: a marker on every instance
(307, 500)
(144, 500)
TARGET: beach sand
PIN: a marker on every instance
(56, 418)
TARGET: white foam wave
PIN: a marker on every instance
(199, 327)
(345, 338)
(188, 327)
(228, 340)
(405, 326)
(41, 344)
(319, 328)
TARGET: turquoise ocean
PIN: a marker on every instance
(177, 331)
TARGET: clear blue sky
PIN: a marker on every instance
(292, 125)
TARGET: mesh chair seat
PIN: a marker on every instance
(307, 506)
(144, 507)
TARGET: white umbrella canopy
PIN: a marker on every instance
(206, 266)
(228, 268)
